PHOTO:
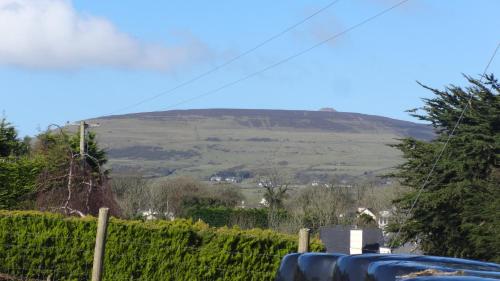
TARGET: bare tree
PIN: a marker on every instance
(317, 206)
(276, 185)
(171, 197)
(132, 193)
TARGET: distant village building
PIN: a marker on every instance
(232, 180)
(154, 215)
(264, 202)
(220, 179)
(264, 184)
(383, 219)
(242, 205)
(149, 215)
(216, 179)
(368, 212)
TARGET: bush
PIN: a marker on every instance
(34, 244)
(17, 180)
(222, 216)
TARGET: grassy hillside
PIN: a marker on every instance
(200, 143)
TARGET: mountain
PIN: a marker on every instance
(307, 145)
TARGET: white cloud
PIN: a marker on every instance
(51, 34)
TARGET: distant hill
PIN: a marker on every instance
(308, 145)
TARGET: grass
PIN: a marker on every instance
(197, 145)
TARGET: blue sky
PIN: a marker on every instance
(71, 60)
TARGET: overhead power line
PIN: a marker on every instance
(276, 64)
(243, 54)
(491, 60)
(441, 152)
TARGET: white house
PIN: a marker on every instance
(368, 212)
(216, 179)
(153, 215)
(264, 202)
(383, 219)
(149, 214)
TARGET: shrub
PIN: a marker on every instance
(17, 180)
(36, 245)
(222, 216)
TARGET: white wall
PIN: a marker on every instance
(356, 242)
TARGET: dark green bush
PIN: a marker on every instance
(36, 245)
(223, 216)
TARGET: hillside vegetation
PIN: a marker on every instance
(307, 145)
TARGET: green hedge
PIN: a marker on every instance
(223, 216)
(36, 245)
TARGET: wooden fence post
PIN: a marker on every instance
(303, 240)
(100, 243)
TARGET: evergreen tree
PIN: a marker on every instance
(458, 211)
(10, 145)
(18, 171)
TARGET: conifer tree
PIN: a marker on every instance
(458, 210)
(18, 171)
(10, 144)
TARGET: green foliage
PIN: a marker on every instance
(35, 244)
(205, 200)
(365, 220)
(10, 145)
(17, 180)
(59, 145)
(18, 171)
(458, 212)
(223, 216)
(96, 157)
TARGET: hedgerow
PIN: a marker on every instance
(34, 245)
(222, 216)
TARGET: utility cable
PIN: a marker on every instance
(243, 54)
(276, 64)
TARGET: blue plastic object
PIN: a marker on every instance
(378, 267)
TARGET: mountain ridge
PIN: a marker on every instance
(204, 142)
(425, 130)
